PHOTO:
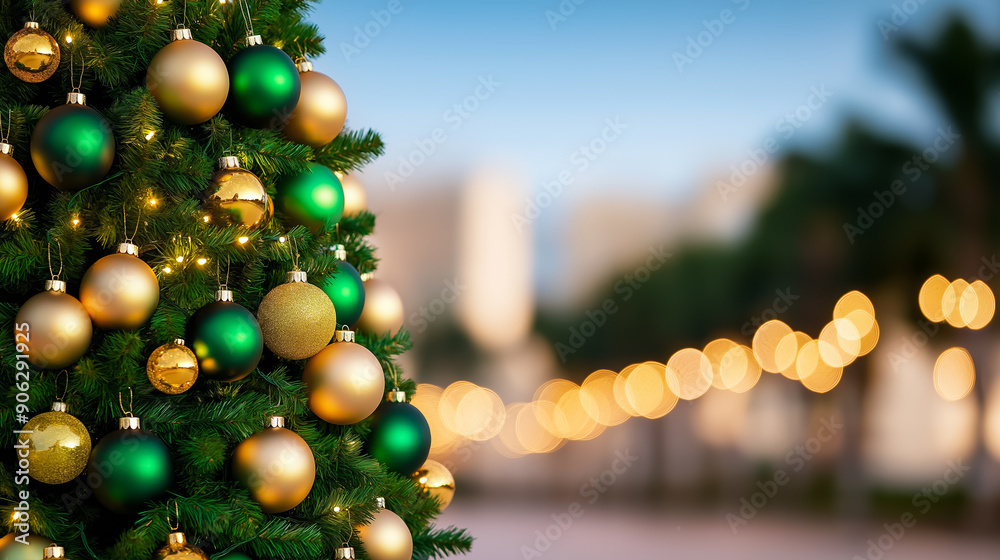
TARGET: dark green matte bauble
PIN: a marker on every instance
(400, 437)
(226, 339)
(264, 86)
(313, 198)
(11, 549)
(72, 147)
(347, 292)
(236, 556)
(127, 468)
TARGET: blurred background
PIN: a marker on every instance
(694, 279)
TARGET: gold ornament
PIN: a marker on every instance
(31, 54)
(236, 197)
(53, 551)
(345, 381)
(188, 79)
(435, 479)
(56, 326)
(321, 111)
(58, 445)
(95, 13)
(13, 183)
(178, 548)
(297, 319)
(355, 199)
(12, 546)
(383, 311)
(172, 368)
(276, 465)
(386, 537)
(120, 291)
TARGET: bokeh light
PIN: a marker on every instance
(954, 374)
(931, 296)
(688, 373)
(816, 374)
(597, 395)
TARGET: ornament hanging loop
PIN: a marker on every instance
(293, 247)
(129, 238)
(127, 413)
(175, 525)
(65, 386)
(5, 136)
(55, 275)
(72, 74)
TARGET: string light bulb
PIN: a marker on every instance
(206, 219)
(75, 221)
(180, 258)
(281, 239)
(152, 133)
(243, 239)
(69, 38)
(167, 270)
(336, 509)
(202, 260)
(16, 218)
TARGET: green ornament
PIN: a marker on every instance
(72, 146)
(128, 467)
(400, 437)
(346, 289)
(313, 198)
(11, 549)
(236, 556)
(226, 338)
(264, 85)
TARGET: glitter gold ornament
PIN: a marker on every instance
(32, 55)
(56, 325)
(178, 548)
(188, 79)
(276, 465)
(345, 381)
(321, 111)
(58, 445)
(13, 183)
(172, 368)
(120, 291)
(386, 537)
(236, 197)
(297, 319)
(383, 311)
(11, 549)
(95, 13)
(355, 199)
(435, 479)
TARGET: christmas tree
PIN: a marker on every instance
(177, 275)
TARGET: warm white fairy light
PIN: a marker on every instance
(202, 260)
(243, 239)
(167, 269)
(180, 258)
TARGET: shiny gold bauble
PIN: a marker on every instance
(58, 446)
(13, 184)
(355, 199)
(178, 548)
(321, 111)
(120, 291)
(13, 549)
(236, 197)
(435, 479)
(31, 54)
(188, 79)
(297, 319)
(56, 328)
(383, 311)
(277, 466)
(387, 537)
(172, 368)
(95, 13)
(345, 381)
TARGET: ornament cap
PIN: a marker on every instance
(229, 162)
(181, 34)
(344, 335)
(176, 539)
(57, 286)
(276, 422)
(6, 149)
(59, 406)
(253, 40)
(339, 252)
(223, 295)
(53, 551)
(128, 249)
(179, 341)
(380, 502)
(128, 423)
(31, 25)
(306, 66)
(296, 276)
(396, 396)
(344, 553)
(76, 98)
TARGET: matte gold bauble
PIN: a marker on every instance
(95, 13)
(383, 312)
(178, 548)
(297, 319)
(345, 381)
(11, 549)
(13, 183)
(56, 328)
(120, 291)
(435, 479)
(236, 197)
(172, 368)
(321, 111)
(58, 446)
(276, 465)
(387, 537)
(355, 198)
(188, 79)
(31, 54)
